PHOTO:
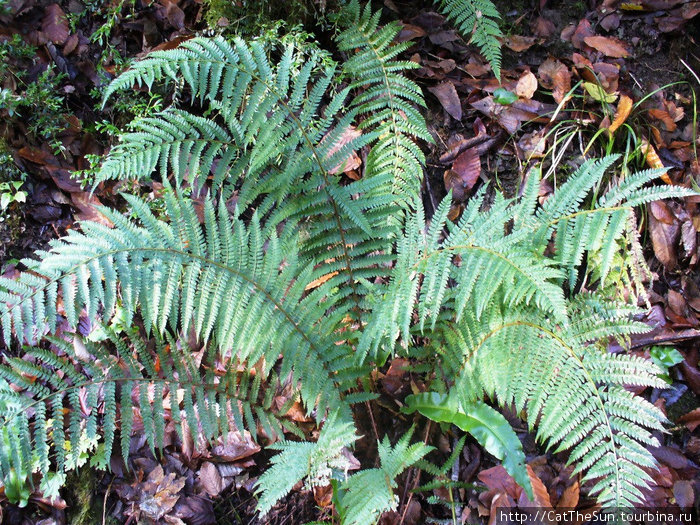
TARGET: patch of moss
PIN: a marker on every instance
(250, 17)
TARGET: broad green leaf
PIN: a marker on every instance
(504, 97)
(487, 425)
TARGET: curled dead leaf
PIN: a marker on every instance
(624, 108)
(653, 160)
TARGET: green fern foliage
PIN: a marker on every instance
(78, 394)
(287, 273)
(387, 100)
(478, 18)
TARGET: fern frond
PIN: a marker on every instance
(573, 393)
(71, 406)
(387, 99)
(220, 278)
(315, 462)
(478, 18)
(369, 493)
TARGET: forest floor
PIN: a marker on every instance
(587, 78)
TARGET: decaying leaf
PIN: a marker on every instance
(653, 160)
(624, 107)
(353, 161)
(55, 24)
(519, 43)
(611, 47)
(463, 175)
(555, 76)
(527, 85)
(447, 95)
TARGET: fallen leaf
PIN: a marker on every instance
(464, 173)
(569, 499)
(653, 160)
(533, 144)
(447, 95)
(611, 47)
(519, 43)
(598, 94)
(663, 117)
(583, 30)
(55, 24)
(664, 237)
(527, 85)
(87, 204)
(409, 32)
(624, 107)
(352, 162)
(318, 282)
(684, 494)
(555, 76)
(210, 479)
(691, 419)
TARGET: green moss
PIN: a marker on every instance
(250, 17)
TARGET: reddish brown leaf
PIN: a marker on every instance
(555, 76)
(519, 43)
(691, 419)
(569, 499)
(447, 95)
(663, 117)
(55, 24)
(464, 173)
(611, 47)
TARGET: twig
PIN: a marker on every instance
(417, 478)
(691, 70)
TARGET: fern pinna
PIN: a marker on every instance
(288, 275)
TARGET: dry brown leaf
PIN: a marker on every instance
(519, 43)
(447, 95)
(569, 499)
(352, 162)
(527, 85)
(318, 282)
(55, 24)
(409, 32)
(555, 76)
(210, 479)
(611, 47)
(663, 117)
(87, 204)
(624, 107)
(664, 237)
(653, 160)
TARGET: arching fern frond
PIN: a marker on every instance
(387, 100)
(73, 402)
(230, 283)
(574, 393)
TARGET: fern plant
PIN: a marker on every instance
(478, 18)
(309, 282)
